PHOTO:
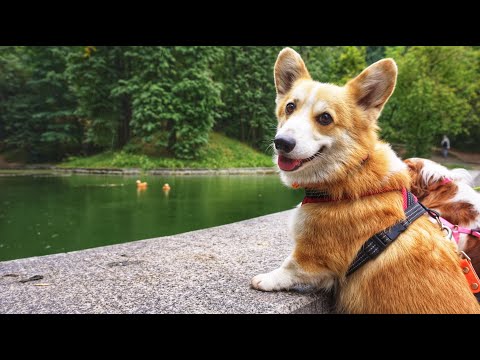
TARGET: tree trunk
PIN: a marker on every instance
(124, 123)
(123, 128)
(172, 136)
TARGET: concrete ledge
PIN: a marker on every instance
(205, 271)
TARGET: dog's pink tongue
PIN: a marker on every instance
(287, 164)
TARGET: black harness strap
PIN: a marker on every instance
(380, 241)
(317, 194)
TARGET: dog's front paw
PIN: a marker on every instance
(263, 282)
(269, 282)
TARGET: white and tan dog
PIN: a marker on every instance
(450, 193)
(327, 140)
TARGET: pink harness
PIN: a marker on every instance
(457, 230)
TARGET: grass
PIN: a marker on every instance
(220, 152)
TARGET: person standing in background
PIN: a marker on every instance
(445, 146)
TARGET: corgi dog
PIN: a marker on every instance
(450, 193)
(327, 141)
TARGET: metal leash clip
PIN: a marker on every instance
(448, 230)
(436, 215)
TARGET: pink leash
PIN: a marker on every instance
(457, 230)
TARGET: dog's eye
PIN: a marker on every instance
(324, 119)
(289, 108)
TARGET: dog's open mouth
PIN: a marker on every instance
(287, 164)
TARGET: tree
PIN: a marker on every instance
(374, 53)
(164, 100)
(435, 94)
(248, 94)
(148, 92)
(333, 64)
(96, 76)
(175, 99)
(39, 108)
(13, 77)
(196, 98)
(149, 87)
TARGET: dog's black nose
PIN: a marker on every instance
(286, 144)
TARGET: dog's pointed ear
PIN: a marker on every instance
(289, 67)
(413, 165)
(418, 186)
(372, 88)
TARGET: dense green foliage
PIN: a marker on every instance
(37, 110)
(220, 152)
(437, 93)
(248, 94)
(141, 91)
(163, 102)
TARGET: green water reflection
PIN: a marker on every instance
(42, 215)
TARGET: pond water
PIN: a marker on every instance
(42, 215)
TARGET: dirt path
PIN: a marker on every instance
(471, 158)
(456, 158)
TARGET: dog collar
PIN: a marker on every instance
(317, 196)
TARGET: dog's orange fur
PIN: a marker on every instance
(419, 272)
